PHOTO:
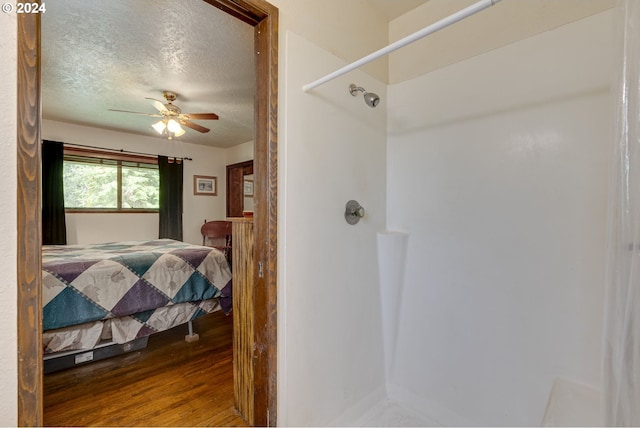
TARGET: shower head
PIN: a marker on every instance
(370, 98)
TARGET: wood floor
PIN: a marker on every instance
(169, 383)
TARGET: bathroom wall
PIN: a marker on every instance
(347, 29)
(332, 149)
(504, 23)
(498, 171)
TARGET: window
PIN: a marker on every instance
(102, 181)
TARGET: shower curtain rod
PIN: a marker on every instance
(445, 22)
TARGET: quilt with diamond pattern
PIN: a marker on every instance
(86, 283)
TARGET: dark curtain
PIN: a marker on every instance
(54, 228)
(170, 198)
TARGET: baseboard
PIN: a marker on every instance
(428, 409)
(572, 403)
(350, 415)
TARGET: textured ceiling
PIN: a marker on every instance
(100, 55)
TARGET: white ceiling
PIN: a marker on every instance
(99, 55)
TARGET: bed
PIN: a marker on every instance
(124, 291)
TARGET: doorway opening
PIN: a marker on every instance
(240, 188)
(264, 18)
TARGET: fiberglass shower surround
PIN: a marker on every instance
(619, 375)
(391, 273)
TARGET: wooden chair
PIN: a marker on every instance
(217, 234)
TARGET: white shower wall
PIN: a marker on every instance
(498, 170)
(332, 149)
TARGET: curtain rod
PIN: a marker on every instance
(439, 25)
(123, 151)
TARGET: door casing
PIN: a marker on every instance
(235, 189)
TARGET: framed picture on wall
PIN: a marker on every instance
(205, 185)
(248, 187)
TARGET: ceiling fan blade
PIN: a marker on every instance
(136, 112)
(157, 104)
(194, 126)
(201, 116)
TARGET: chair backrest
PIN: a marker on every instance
(216, 234)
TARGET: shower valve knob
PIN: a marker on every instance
(353, 212)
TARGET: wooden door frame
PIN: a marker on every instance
(264, 17)
(247, 169)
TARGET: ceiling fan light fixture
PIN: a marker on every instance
(170, 127)
(159, 126)
(180, 132)
(172, 117)
(174, 127)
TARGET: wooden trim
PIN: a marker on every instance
(234, 193)
(264, 17)
(250, 11)
(265, 211)
(29, 224)
(233, 9)
(246, 165)
(104, 154)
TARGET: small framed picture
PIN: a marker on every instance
(248, 187)
(205, 185)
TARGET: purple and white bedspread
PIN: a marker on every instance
(126, 290)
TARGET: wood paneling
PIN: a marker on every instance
(29, 223)
(243, 315)
(169, 383)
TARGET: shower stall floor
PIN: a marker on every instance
(388, 413)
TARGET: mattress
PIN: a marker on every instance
(127, 290)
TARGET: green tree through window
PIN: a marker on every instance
(99, 184)
(140, 187)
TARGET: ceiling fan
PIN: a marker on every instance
(171, 117)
